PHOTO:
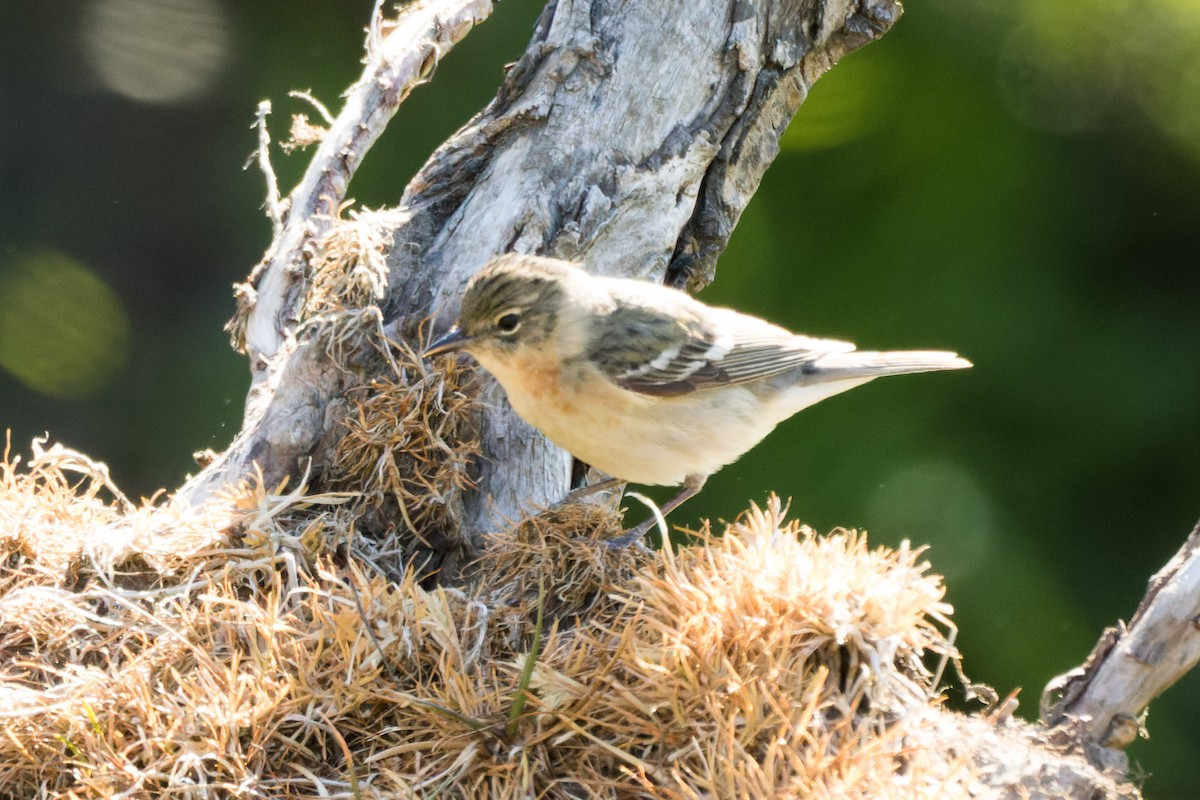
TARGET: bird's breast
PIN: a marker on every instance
(632, 436)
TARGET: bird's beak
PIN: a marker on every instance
(448, 342)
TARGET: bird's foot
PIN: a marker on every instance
(691, 487)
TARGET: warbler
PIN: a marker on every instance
(644, 382)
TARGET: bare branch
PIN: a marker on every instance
(400, 55)
(273, 206)
(1102, 702)
(320, 107)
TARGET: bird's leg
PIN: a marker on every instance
(692, 485)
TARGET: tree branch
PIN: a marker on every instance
(292, 387)
(401, 54)
(1101, 703)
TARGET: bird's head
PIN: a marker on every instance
(513, 302)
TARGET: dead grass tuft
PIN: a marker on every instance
(348, 265)
(267, 659)
(557, 562)
(407, 454)
(408, 441)
(768, 662)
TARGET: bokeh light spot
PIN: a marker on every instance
(1065, 64)
(63, 331)
(1173, 100)
(940, 504)
(157, 51)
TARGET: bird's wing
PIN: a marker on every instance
(672, 352)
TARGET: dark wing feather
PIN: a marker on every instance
(653, 352)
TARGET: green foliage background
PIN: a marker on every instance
(1019, 182)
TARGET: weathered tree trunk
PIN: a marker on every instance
(629, 137)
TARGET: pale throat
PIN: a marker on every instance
(528, 378)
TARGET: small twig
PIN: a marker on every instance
(273, 205)
(304, 133)
(306, 96)
(375, 27)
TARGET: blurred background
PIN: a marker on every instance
(1017, 181)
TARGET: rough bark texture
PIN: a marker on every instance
(1007, 758)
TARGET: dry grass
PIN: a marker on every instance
(406, 459)
(268, 659)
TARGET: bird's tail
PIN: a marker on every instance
(866, 365)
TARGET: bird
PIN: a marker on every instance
(644, 382)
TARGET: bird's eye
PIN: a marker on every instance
(509, 322)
